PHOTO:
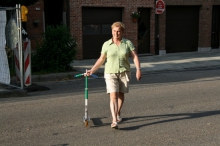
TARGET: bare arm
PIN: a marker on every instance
(137, 65)
(97, 65)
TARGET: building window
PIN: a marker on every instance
(106, 29)
(96, 29)
(91, 29)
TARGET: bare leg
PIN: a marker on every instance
(120, 102)
(114, 105)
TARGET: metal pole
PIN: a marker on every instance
(86, 97)
(18, 12)
(86, 118)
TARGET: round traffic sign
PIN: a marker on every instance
(160, 6)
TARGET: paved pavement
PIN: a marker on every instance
(168, 62)
(149, 64)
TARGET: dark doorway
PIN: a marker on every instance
(182, 28)
(53, 12)
(144, 31)
(96, 28)
(215, 27)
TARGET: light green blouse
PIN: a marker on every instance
(117, 56)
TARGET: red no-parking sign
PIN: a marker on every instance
(160, 6)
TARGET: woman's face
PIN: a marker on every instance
(117, 33)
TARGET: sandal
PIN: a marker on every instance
(119, 119)
(114, 125)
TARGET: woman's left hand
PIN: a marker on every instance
(138, 75)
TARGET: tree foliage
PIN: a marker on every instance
(56, 51)
(12, 3)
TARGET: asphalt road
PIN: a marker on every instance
(163, 109)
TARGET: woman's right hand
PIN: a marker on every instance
(88, 72)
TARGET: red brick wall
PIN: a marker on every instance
(162, 30)
(152, 31)
(128, 8)
(35, 33)
(205, 25)
(74, 19)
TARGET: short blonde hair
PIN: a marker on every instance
(118, 24)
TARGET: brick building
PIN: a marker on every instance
(185, 25)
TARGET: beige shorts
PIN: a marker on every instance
(117, 82)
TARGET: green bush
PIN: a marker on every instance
(55, 52)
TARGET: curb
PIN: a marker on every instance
(50, 77)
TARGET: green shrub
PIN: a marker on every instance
(55, 52)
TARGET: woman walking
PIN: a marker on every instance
(115, 52)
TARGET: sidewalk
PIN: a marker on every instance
(149, 64)
(168, 62)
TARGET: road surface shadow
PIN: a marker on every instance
(173, 117)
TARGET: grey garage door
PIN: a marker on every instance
(96, 28)
(182, 28)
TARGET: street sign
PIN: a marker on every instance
(160, 7)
